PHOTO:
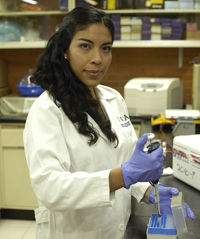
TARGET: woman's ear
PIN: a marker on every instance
(65, 55)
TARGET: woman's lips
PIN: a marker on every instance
(93, 73)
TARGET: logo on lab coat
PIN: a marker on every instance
(124, 121)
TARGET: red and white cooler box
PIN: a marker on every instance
(186, 159)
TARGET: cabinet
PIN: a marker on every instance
(50, 19)
(15, 190)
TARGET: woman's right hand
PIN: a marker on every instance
(142, 167)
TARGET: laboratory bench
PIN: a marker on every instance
(141, 212)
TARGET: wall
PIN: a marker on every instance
(127, 63)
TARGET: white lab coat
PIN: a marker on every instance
(71, 178)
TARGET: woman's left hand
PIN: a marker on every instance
(165, 194)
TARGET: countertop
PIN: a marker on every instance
(12, 119)
(142, 212)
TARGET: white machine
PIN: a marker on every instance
(186, 159)
(149, 96)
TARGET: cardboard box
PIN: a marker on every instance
(136, 28)
(191, 26)
(156, 29)
(193, 35)
(186, 159)
(136, 36)
(125, 36)
(136, 21)
(125, 20)
(186, 5)
(171, 5)
(156, 36)
(125, 29)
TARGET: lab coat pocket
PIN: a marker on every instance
(80, 235)
(41, 215)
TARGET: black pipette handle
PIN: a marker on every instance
(151, 147)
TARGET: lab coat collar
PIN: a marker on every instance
(103, 93)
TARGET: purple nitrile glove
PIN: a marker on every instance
(142, 167)
(165, 194)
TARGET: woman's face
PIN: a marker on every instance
(90, 55)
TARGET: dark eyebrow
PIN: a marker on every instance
(87, 40)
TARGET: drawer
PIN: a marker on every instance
(12, 137)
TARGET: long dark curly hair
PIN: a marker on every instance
(54, 74)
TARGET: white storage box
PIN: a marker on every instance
(186, 159)
(149, 96)
(16, 105)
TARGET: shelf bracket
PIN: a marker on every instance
(180, 57)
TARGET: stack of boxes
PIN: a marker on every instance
(182, 4)
(156, 28)
(140, 4)
(166, 28)
(131, 28)
(147, 28)
(116, 22)
(177, 29)
(125, 23)
(192, 33)
(136, 28)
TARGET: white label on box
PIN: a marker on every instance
(186, 165)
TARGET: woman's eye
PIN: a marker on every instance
(84, 46)
(107, 48)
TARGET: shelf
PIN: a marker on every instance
(23, 45)
(117, 11)
(157, 44)
(117, 44)
(154, 11)
(32, 13)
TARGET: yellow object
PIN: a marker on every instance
(111, 4)
(160, 119)
(157, 1)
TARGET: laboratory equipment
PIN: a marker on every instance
(175, 114)
(160, 119)
(27, 88)
(184, 126)
(149, 149)
(186, 159)
(148, 96)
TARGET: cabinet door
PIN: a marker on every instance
(17, 191)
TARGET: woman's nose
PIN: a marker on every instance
(96, 57)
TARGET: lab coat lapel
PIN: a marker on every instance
(96, 126)
(104, 98)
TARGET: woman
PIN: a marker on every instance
(79, 142)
